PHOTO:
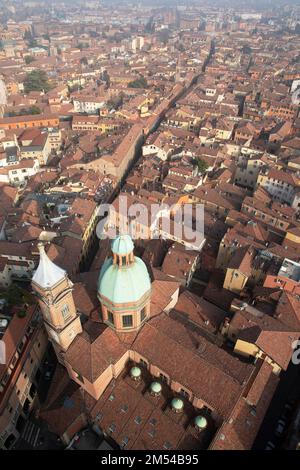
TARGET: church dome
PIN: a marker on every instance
(123, 281)
(200, 422)
(177, 404)
(135, 372)
(156, 388)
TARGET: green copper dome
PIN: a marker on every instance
(123, 284)
(155, 387)
(200, 422)
(135, 372)
(177, 404)
(122, 245)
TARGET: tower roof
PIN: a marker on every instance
(47, 274)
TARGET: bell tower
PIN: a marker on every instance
(53, 289)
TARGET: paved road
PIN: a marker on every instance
(36, 436)
(31, 434)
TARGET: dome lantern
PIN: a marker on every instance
(155, 388)
(200, 423)
(122, 248)
(135, 373)
(177, 405)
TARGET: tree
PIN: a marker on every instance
(150, 26)
(36, 80)
(94, 34)
(27, 35)
(201, 164)
(246, 49)
(84, 61)
(138, 83)
(180, 47)
(29, 59)
(15, 295)
(82, 45)
(32, 43)
(163, 36)
(25, 111)
(116, 101)
(34, 110)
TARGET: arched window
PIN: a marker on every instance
(65, 311)
(110, 317)
(143, 314)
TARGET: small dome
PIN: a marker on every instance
(155, 387)
(177, 404)
(200, 422)
(135, 372)
(122, 245)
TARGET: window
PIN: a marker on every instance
(127, 321)
(124, 408)
(167, 445)
(124, 442)
(110, 317)
(143, 314)
(163, 378)
(138, 420)
(65, 312)
(112, 427)
(207, 410)
(184, 393)
(143, 363)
